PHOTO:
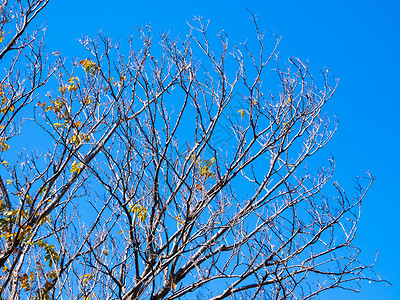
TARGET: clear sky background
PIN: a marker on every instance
(357, 40)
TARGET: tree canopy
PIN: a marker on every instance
(168, 168)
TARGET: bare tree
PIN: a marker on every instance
(168, 171)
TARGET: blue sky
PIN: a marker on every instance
(357, 40)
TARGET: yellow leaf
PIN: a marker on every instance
(62, 89)
(285, 126)
(87, 100)
(75, 168)
(4, 163)
(139, 211)
(9, 181)
(179, 221)
(89, 66)
(85, 137)
(29, 199)
(3, 145)
(72, 87)
(241, 113)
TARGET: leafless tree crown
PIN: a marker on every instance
(170, 170)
